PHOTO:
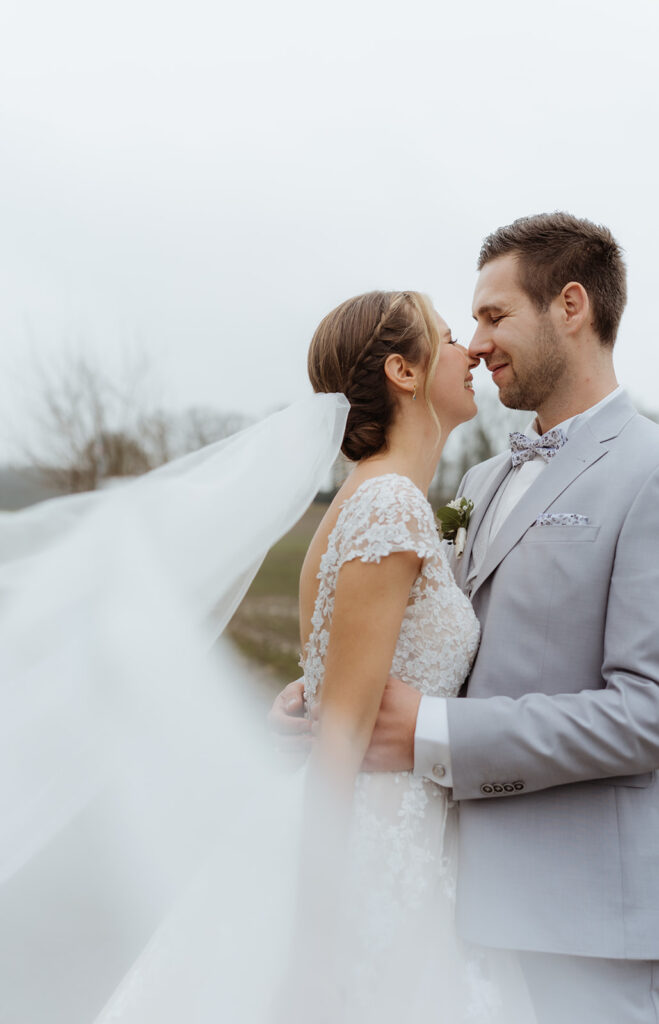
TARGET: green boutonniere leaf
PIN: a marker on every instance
(454, 520)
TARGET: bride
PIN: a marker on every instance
(126, 769)
(377, 597)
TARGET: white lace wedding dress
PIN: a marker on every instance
(402, 956)
(147, 848)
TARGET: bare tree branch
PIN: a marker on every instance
(91, 426)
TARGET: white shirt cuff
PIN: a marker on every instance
(432, 757)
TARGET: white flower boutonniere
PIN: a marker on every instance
(453, 522)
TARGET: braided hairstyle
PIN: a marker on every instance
(348, 352)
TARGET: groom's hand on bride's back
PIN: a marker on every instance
(392, 743)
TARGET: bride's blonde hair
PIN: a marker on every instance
(348, 352)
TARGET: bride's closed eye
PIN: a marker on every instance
(453, 341)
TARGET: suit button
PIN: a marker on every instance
(498, 788)
(518, 786)
(486, 789)
(439, 771)
(508, 787)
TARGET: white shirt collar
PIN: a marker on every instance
(581, 417)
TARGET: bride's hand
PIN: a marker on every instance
(290, 729)
(392, 743)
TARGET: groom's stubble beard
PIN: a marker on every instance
(540, 375)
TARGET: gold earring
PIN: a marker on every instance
(414, 394)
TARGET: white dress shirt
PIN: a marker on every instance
(432, 753)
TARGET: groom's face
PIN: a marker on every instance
(519, 345)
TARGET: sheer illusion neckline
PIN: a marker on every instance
(373, 479)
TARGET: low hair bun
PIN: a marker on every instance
(363, 436)
(348, 352)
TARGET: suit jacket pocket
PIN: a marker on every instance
(560, 534)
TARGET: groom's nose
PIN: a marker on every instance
(481, 345)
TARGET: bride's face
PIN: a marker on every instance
(451, 389)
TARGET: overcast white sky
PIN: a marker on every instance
(206, 181)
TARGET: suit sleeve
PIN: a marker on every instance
(611, 726)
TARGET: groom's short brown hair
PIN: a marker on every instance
(555, 248)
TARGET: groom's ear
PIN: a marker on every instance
(574, 307)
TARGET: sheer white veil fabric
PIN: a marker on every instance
(126, 752)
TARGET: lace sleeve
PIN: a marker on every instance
(386, 514)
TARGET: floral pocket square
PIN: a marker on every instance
(562, 519)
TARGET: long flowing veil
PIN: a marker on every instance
(129, 760)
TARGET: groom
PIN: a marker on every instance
(553, 753)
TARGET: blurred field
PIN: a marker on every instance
(22, 487)
(266, 625)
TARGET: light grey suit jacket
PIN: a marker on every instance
(555, 769)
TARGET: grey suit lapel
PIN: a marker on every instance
(481, 498)
(586, 446)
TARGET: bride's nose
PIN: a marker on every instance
(472, 360)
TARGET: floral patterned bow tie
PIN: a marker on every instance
(525, 448)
